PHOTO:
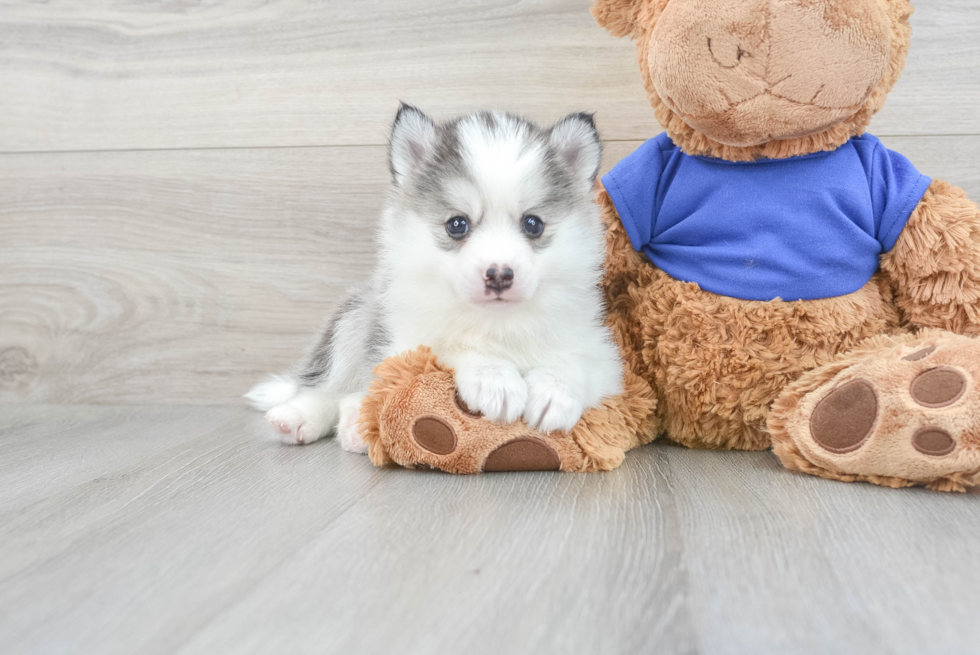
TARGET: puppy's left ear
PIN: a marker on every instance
(576, 142)
(413, 138)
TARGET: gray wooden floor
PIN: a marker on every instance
(187, 188)
(185, 530)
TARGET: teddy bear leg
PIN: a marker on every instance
(897, 411)
(426, 425)
(413, 417)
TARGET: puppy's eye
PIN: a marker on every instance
(532, 226)
(457, 227)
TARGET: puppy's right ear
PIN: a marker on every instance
(413, 137)
(619, 17)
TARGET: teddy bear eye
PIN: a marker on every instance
(533, 226)
(457, 227)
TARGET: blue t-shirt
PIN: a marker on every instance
(807, 227)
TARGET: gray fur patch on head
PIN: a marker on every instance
(570, 153)
(427, 194)
(446, 163)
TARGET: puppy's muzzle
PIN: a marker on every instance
(499, 278)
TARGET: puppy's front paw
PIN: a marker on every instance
(550, 405)
(348, 430)
(496, 390)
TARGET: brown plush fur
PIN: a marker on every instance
(638, 18)
(747, 72)
(718, 363)
(879, 360)
(934, 268)
(414, 385)
(718, 372)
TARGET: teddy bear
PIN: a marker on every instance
(774, 276)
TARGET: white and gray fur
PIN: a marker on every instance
(534, 347)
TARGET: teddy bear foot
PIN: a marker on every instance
(428, 426)
(437, 436)
(413, 417)
(897, 412)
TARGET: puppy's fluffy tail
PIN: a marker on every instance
(274, 391)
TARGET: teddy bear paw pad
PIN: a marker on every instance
(843, 420)
(523, 454)
(933, 441)
(909, 415)
(434, 434)
(938, 387)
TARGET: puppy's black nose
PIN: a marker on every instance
(499, 279)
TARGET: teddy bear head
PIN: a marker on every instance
(744, 79)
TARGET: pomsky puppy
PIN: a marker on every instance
(490, 254)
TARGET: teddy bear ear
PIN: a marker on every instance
(619, 17)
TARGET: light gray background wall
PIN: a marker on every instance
(187, 187)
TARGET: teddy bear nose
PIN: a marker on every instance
(499, 278)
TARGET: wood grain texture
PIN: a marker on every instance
(175, 269)
(198, 243)
(795, 565)
(124, 74)
(185, 276)
(182, 530)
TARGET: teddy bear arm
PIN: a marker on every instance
(627, 280)
(934, 267)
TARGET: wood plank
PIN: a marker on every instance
(138, 551)
(783, 562)
(143, 277)
(112, 74)
(185, 276)
(201, 536)
(517, 564)
(86, 443)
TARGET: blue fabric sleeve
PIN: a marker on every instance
(896, 189)
(632, 187)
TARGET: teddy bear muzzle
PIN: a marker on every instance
(745, 72)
